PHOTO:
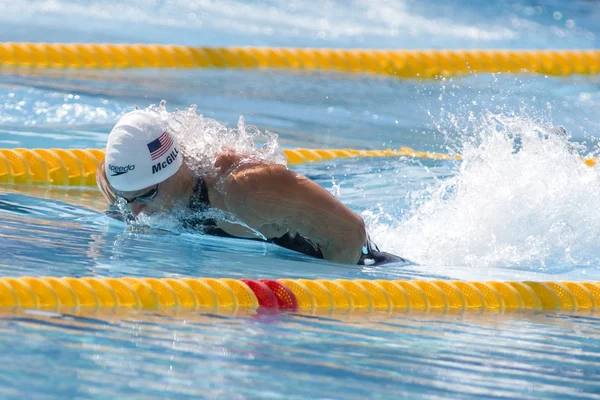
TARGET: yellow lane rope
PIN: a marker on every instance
(77, 167)
(301, 295)
(398, 63)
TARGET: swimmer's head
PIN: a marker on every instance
(140, 152)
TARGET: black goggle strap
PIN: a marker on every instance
(149, 195)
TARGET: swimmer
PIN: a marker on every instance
(145, 169)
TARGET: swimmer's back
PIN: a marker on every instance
(200, 202)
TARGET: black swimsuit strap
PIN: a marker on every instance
(199, 203)
(199, 200)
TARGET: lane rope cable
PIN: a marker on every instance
(77, 167)
(397, 63)
(295, 295)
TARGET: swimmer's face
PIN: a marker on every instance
(154, 199)
(140, 199)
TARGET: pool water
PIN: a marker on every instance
(520, 206)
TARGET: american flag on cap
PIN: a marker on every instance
(159, 147)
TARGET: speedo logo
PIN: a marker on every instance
(170, 158)
(119, 170)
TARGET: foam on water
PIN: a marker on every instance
(364, 23)
(28, 107)
(268, 17)
(521, 197)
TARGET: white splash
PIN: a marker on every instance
(520, 197)
(203, 139)
(335, 188)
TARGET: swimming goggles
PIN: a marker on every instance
(145, 198)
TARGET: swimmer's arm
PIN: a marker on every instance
(274, 200)
(102, 182)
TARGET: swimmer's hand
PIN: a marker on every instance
(274, 200)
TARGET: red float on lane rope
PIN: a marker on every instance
(264, 295)
(285, 297)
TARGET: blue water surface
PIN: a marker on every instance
(53, 231)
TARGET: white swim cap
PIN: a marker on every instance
(140, 152)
